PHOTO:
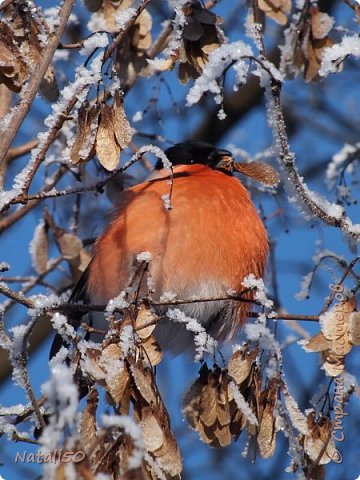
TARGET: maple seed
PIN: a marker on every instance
(277, 10)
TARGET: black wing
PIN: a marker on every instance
(79, 294)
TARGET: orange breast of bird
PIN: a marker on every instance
(203, 247)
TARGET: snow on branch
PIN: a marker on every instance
(231, 54)
(62, 397)
(334, 56)
(330, 213)
(341, 161)
(204, 343)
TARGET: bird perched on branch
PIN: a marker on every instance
(202, 233)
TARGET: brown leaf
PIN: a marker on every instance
(117, 376)
(14, 71)
(238, 420)
(200, 37)
(208, 405)
(141, 36)
(223, 407)
(266, 437)
(239, 366)
(335, 328)
(209, 42)
(107, 148)
(334, 323)
(321, 24)
(122, 128)
(276, 9)
(193, 31)
(205, 16)
(191, 403)
(145, 322)
(165, 64)
(152, 349)
(319, 443)
(70, 245)
(153, 435)
(317, 343)
(144, 381)
(88, 429)
(333, 362)
(222, 434)
(92, 367)
(333, 365)
(39, 248)
(354, 328)
(262, 172)
(168, 456)
(313, 56)
(84, 260)
(60, 473)
(207, 434)
(83, 147)
(184, 72)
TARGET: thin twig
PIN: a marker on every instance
(346, 272)
(77, 307)
(97, 187)
(9, 220)
(21, 150)
(16, 296)
(36, 281)
(288, 161)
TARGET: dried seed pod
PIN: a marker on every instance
(153, 434)
(145, 322)
(277, 10)
(14, 70)
(122, 128)
(321, 24)
(200, 36)
(334, 340)
(82, 149)
(354, 328)
(88, 428)
(107, 148)
(262, 172)
(266, 437)
(39, 248)
(144, 382)
(240, 364)
(319, 443)
(152, 351)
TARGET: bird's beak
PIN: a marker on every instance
(225, 160)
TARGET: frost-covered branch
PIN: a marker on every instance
(331, 214)
(85, 308)
(10, 130)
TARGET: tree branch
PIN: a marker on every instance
(22, 109)
(287, 158)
